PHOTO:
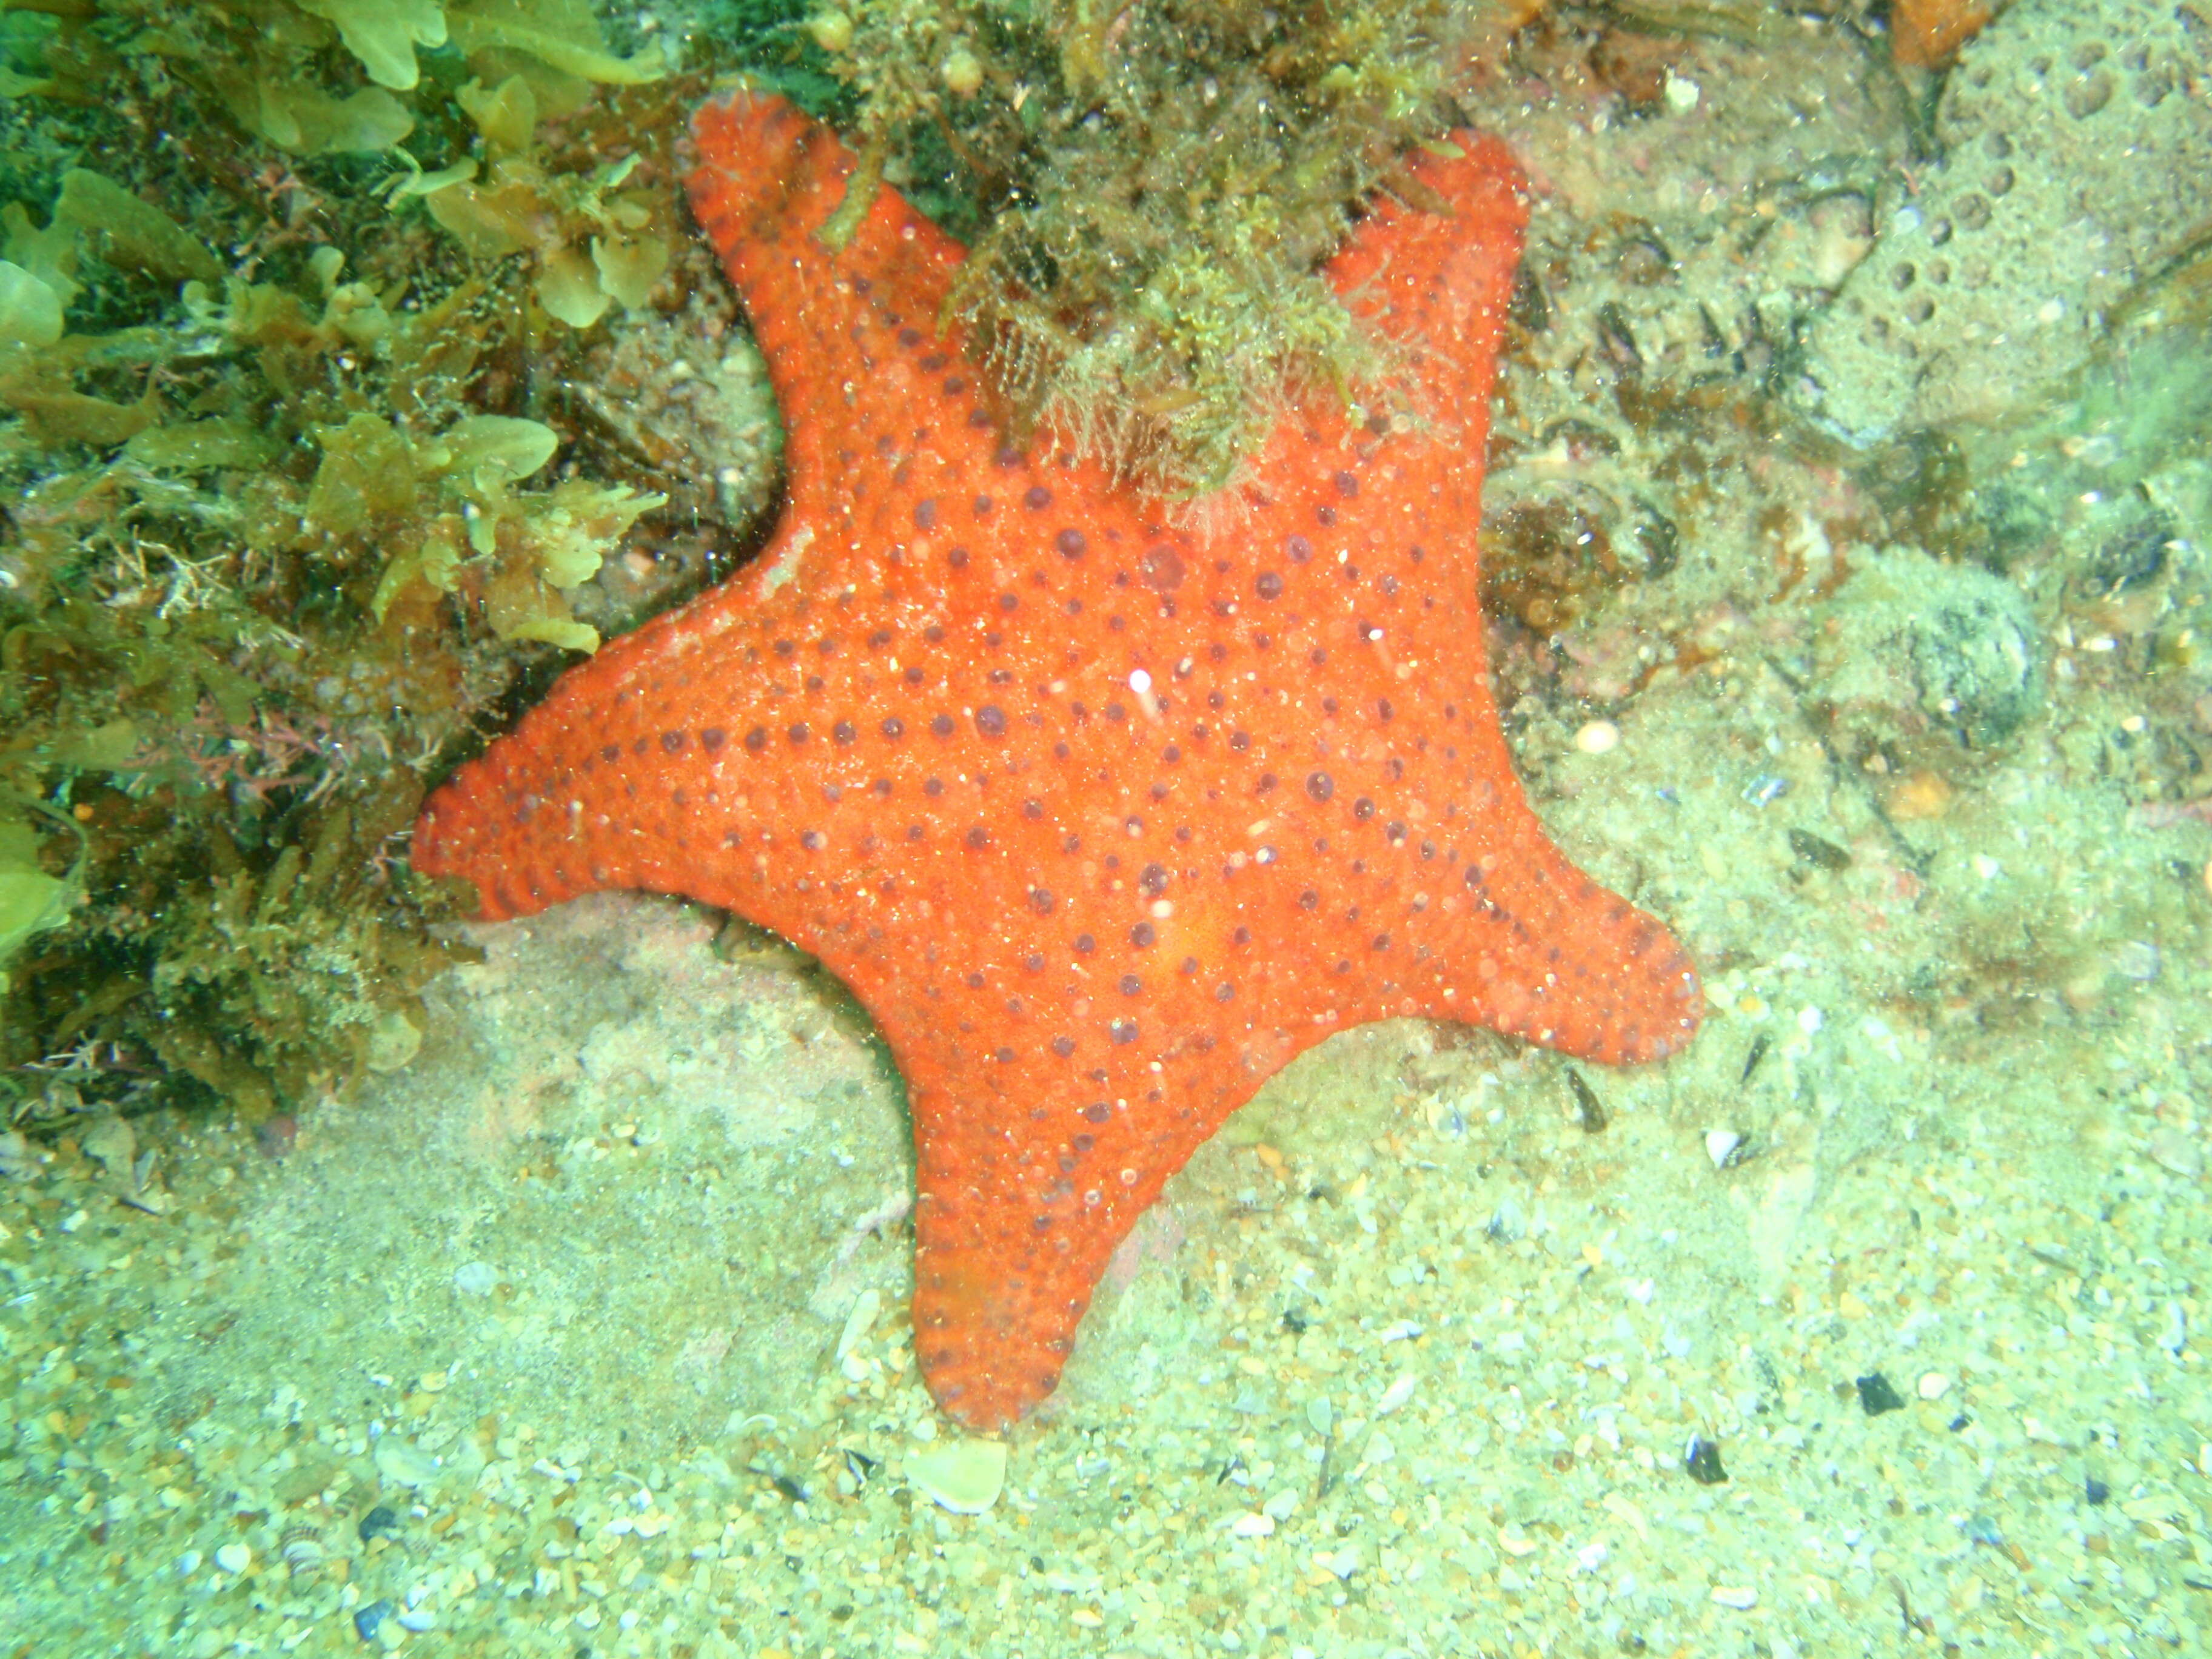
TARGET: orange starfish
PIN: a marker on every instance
(1103, 821)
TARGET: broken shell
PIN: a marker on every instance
(302, 1551)
(965, 1477)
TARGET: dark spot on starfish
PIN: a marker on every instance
(1037, 498)
(1041, 900)
(671, 742)
(1142, 934)
(925, 514)
(1161, 569)
(957, 558)
(1267, 585)
(982, 507)
(933, 787)
(1069, 542)
(991, 720)
(1097, 1111)
(1084, 944)
(1362, 809)
(941, 726)
(1153, 880)
(611, 753)
(813, 840)
(893, 727)
(797, 732)
(1309, 899)
(1347, 485)
(978, 838)
(1131, 985)
(1320, 786)
(843, 732)
(712, 737)
(1123, 1030)
(757, 739)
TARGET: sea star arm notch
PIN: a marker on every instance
(1103, 822)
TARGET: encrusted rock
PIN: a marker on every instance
(2077, 149)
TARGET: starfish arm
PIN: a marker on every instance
(769, 181)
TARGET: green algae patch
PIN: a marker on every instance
(292, 517)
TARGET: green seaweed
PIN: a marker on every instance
(287, 522)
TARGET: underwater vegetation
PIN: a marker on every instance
(283, 519)
(1146, 192)
(311, 468)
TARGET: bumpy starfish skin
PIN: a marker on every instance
(1103, 821)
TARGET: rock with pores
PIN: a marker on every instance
(2076, 146)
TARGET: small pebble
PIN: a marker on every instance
(379, 1522)
(476, 1278)
(1701, 1458)
(1742, 1597)
(1598, 737)
(964, 1477)
(1824, 855)
(2096, 1492)
(233, 1558)
(1252, 1526)
(1934, 1385)
(1878, 1395)
(1722, 1147)
(367, 1620)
